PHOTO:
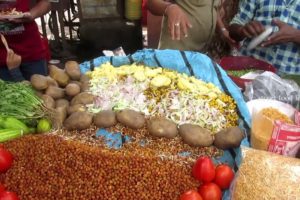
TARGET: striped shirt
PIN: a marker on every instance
(285, 56)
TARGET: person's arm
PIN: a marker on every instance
(13, 62)
(40, 9)
(178, 22)
(221, 28)
(158, 7)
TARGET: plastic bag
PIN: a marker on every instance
(270, 86)
(264, 175)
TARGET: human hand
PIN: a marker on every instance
(178, 22)
(13, 60)
(252, 29)
(228, 39)
(285, 34)
(27, 17)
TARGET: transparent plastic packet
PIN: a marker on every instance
(263, 175)
(269, 85)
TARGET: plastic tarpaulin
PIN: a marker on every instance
(190, 63)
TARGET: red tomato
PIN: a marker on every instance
(2, 188)
(191, 195)
(204, 169)
(224, 176)
(209, 191)
(8, 196)
(6, 159)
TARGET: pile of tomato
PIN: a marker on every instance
(213, 180)
(6, 160)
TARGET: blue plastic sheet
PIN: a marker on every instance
(191, 63)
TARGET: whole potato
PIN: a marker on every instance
(72, 89)
(59, 75)
(76, 108)
(39, 82)
(73, 70)
(105, 119)
(48, 101)
(62, 103)
(78, 121)
(195, 135)
(83, 98)
(131, 118)
(229, 138)
(60, 116)
(161, 127)
(55, 92)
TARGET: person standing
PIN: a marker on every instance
(282, 48)
(187, 24)
(23, 39)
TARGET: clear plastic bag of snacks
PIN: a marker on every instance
(264, 175)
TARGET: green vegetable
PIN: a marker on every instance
(43, 126)
(10, 134)
(20, 101)
(239, 73)
(13, 123)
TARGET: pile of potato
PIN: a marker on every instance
(161, 127)
(65, 92)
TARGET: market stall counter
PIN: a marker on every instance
(157, 124)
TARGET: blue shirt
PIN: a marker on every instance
(286, 56)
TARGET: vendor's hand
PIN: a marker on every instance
(252, 29)
(228, 39)
(178, 22)
(27, 17)
(285, 34)
(13, 60)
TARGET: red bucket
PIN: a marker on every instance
(242, 63)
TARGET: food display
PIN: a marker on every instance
(128, 132)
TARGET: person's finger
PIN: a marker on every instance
(258, 27)
(184, 27)
(246, 33)
(177, 30)
(278, 23)
(251, 30)
(171, 29)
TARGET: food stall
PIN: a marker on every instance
(149, 125)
